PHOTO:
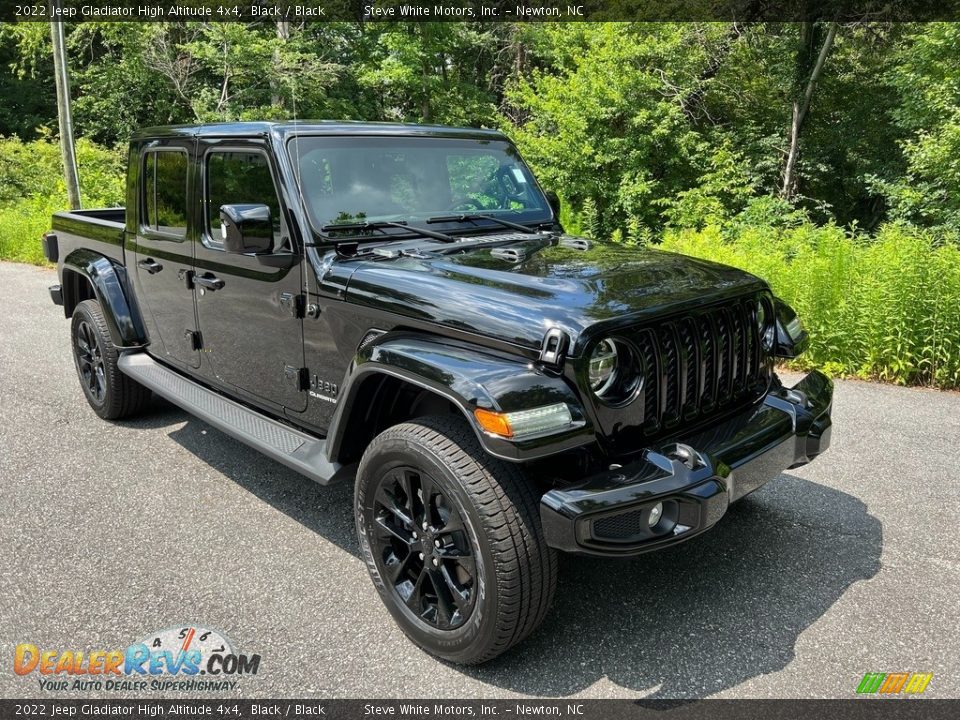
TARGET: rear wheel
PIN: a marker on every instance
(111, 394)
(452, 540)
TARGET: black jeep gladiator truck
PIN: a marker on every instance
(399, 306)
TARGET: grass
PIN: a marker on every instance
(882, 307)
(32, 189)
(21, 227)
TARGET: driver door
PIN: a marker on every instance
(252, 337)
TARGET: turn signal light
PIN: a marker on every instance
(493, 422)
(549, 418)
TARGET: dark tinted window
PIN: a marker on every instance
(239, 178)
(165, 192)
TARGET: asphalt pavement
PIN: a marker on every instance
(112, 531)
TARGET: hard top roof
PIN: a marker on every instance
(313, 127)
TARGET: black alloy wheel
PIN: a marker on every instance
(90, 362)
(422, 548)
(110, 393)
(452, 539)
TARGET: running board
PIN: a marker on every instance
(297, 450)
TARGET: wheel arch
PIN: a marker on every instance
(400, 378)
(87, 275)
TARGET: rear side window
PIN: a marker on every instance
(236, 177)
(165, 193)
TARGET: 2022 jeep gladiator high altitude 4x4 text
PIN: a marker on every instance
(399, 305)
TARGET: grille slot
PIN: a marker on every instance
(700, 364)
(620, 527)
(646, 341)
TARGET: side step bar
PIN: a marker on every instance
(295, 449)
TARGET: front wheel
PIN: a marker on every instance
(452, 540)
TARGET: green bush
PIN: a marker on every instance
(32, 189)
(882, 307)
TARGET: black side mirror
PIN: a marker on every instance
(554, 201)
(246, 228)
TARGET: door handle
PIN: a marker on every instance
(150, 265)
(208, 281)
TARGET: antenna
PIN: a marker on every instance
(297, 181)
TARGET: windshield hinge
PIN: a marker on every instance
(298, 377)
(553, 348)
(294, 305)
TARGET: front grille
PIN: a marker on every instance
(700, 364)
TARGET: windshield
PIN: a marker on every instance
(368, 179)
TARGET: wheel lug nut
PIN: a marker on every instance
(435, 562)
(424, 526)
(436, 543)
(414, 534)
(421, 556)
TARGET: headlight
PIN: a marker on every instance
(765, 326)
(614, 373)
(603, 366)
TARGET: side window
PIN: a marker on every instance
(165, 193)
(235, 177)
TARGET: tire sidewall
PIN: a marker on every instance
(479, 630)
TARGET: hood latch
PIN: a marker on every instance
(553, 348)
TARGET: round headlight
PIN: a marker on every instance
(765, 325)
(603, 367)
(761, 316)
(614, 372)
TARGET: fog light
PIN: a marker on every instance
(656, 512)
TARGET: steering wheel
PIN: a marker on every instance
(467, 203)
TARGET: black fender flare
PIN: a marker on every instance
(469, 378)
(111, 289)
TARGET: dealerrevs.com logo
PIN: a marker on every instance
(188, 658)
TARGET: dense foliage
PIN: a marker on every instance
(882, 308)
(32, 189)
(824, 157)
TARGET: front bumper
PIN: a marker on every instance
(692, 481)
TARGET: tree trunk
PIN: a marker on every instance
(63, 113)
(801, 106)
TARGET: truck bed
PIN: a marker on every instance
(98, 229)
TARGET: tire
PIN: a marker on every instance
(513, 577)
(111, 394)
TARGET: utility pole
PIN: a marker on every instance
(63, 112)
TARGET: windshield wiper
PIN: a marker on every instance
(472, 217)
(381, 224)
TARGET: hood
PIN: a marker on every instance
(517, 293)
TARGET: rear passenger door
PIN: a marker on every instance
(251, 330)
(163, 251)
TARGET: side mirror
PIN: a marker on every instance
(246, 228)
(554, 201)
